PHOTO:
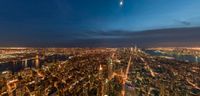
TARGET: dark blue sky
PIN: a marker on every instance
(64, 20)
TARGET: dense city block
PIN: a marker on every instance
(99, 72)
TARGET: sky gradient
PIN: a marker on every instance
(36, 21)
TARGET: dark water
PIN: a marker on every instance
(186, 58)
(20, 65)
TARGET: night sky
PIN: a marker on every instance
(60, 22)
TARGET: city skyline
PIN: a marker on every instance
(99, 48)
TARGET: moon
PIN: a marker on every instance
(121, 3)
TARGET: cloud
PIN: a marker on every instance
(186, 23)
(176, 37)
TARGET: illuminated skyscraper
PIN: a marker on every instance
(37, 61)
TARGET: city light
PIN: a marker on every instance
(119, 71)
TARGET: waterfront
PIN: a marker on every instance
(179, 57)
(16, 66)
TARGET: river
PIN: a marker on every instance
(185, 58)
(20, 65)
